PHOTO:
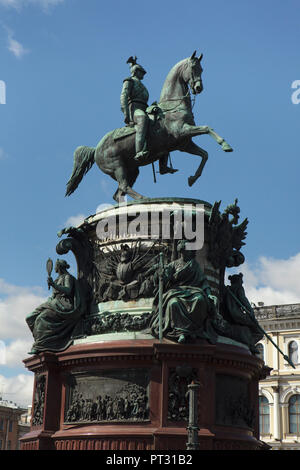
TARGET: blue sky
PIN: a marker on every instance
(63, 62)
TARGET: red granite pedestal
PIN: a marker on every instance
(228, 397)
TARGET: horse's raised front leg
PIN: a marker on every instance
(192, 131)
(192, 148)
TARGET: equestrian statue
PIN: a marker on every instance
(150, 132)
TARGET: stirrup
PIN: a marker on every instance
(141, 155)
(167, 169)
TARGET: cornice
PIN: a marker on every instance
(224, 357)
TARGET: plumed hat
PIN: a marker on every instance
(134, 65)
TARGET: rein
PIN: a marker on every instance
(181, 98)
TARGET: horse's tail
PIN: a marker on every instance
(84, 158)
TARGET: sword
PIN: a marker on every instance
(160, 294)
(154, 176)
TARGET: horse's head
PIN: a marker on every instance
(193, 72)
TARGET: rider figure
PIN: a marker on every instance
(134, 102)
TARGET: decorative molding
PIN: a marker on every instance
(39, 400)
(115, 322)
(277, 312)
(104, 444)
(266, 393)
(288, 393)
(279, 326)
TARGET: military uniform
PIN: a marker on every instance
(134, 102)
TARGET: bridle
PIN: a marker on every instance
(181, 98)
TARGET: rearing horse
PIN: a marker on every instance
(171, 127)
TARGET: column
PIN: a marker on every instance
(277, 434)
(275, 352)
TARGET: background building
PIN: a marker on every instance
(11, 427)
(280, 391)
(24, 423)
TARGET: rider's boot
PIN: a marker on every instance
(163, 167)
(140, 139)
(167, 169)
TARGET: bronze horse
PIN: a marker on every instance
(172, 127)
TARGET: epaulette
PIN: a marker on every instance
(128, 79)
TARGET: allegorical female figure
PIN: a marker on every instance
(187, 304)
(53, 322)
(239, 313)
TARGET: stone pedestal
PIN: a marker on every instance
(117, 387)
(152, 378)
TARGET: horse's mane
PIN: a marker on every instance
(179, 67)
(176, 70)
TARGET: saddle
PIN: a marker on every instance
(153, 112)
(123, 132)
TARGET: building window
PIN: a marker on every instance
(264, 415)
(294, 414)
(10, 428)
(293, 352)
(1, 424)
(0, 444)
(9, 445)
(260, 348)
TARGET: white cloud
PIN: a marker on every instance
(16, 47)
(44, 3)
(16, 339)
(17, 351)
(103, 206)
(75, 220)
(13, 45)
(273, 281)
(15, 304)
(10, 3)
(17, 389)
(19, 4)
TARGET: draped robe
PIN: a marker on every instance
(187, 309)
(53, 322)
